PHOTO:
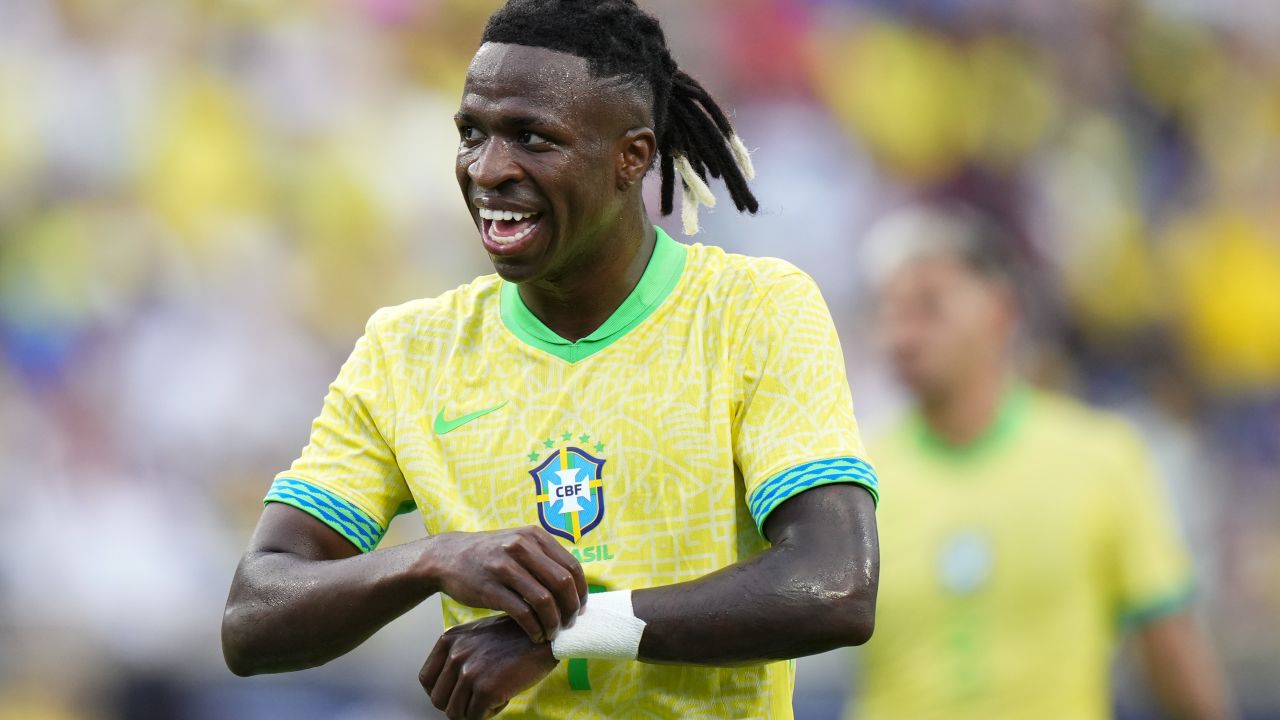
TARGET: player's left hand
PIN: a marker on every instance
(475, 669)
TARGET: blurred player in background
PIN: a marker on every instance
(613, 411)
(1026, 530)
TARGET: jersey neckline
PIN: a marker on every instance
(1014, 406)
(658, 280)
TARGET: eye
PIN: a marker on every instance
(531, 138)
(469, 135)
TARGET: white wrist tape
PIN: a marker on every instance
(606, 627)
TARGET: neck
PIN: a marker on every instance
(574, 304)
(964, 412)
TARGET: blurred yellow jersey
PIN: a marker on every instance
(653, 449)
(1008, 566)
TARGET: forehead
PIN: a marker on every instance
(937, 272)
(552, 80)
(519, 81)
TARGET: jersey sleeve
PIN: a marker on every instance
(1150, 564)
(347, 475)
(794, 427)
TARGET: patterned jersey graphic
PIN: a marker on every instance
(714, 393)
(569, 488)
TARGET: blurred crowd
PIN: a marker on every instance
(201, 201)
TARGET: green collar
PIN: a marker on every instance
(659, 279)
(1009, 418)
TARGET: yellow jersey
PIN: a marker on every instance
(654, 448)
(1010, 564)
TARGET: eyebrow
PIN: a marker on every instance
(510, 121)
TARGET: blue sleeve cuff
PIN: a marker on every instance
(345, 518)
(793, 481)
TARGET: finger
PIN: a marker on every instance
(461, 697)
(554, 577)
(566, 560)
(443, 690)
(435, 663)
(481, 706)
(504, 600)
(537, 597)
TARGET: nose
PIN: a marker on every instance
(494, 165)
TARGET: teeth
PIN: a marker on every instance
(506, 215)
(508, 239)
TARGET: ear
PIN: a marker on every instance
(635, 152)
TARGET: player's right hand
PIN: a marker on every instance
(523, 572)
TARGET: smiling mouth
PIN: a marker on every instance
(505, 227)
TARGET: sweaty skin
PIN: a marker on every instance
(539, 134)
(813, 591)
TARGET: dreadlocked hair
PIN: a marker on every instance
(619, 40)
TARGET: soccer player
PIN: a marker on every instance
(1026, 529)
(665, 425)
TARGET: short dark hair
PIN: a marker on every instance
(619, 40)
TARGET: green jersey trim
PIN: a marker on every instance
(345, 518)
(1159, 607)
(1010, 417)
(659, 279)
(791, 482)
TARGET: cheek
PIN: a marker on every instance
(462, 165)
(968, 322)
(590, 176)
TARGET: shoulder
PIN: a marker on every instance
(1092, 434)
(460, 310)
(747, 282)
(1063, 412)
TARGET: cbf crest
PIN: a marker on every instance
(569, 485)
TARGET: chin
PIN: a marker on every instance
(514, 272)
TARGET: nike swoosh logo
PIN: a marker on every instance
(444, 427)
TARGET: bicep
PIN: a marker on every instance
(1151, 566)
(794, 428)
(838, 518)
(348, 475)
(1181, 666)
(285, 529)
(1167, 635)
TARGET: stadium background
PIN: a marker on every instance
(201, 202)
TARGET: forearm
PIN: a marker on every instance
(287, 612)
(759, 610)
(813, 591)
